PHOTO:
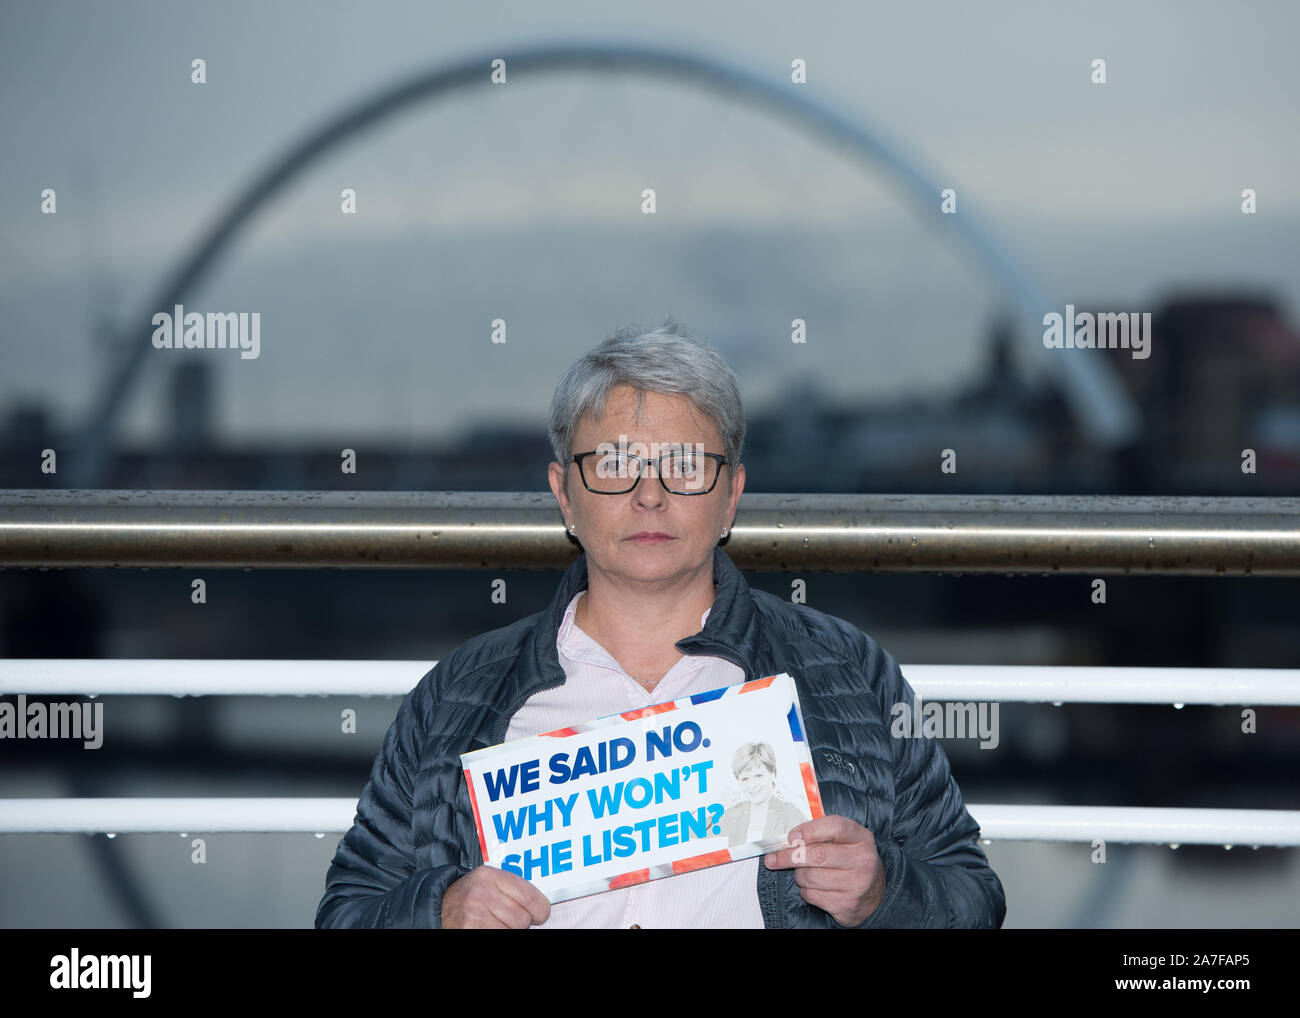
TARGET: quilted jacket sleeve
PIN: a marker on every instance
(376, 878)
(935, 871)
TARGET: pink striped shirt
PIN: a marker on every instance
(720, 897)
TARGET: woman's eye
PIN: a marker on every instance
(684, 466)
(612, 466)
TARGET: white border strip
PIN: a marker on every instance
(176, 815)
(1149, 825)
(1003, 683)
(208, 677)
(1143, 824)
(1074, 684)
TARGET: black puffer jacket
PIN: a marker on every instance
(414, 830)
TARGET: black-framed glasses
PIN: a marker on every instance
(616, 473)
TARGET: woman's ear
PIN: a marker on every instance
(556, 475)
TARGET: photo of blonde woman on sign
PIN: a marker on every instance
(761, 813)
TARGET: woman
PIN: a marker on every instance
(647, 431)
(762, 815)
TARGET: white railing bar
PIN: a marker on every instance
(1141, 824)
(208, 677)
(1003, 683)
(180, 815)
(1105, 684)
(998, 822)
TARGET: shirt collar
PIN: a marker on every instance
(732, 633)
(566, 642)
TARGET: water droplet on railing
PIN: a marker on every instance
(1178, 706)
(1228, 847)
(107, 835)
(1173, 844)
(320, 835)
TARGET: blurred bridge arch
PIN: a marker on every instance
(1101, 407)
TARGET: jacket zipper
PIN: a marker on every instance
(476, 854)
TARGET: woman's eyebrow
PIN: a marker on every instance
(663, 446)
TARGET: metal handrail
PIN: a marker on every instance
(1093, 535)
(471, 530)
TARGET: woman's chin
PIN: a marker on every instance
(651, 560)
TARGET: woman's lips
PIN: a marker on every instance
(649, 538)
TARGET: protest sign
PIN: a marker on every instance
(649, 793)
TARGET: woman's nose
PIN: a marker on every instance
(649, 492)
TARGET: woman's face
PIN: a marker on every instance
(607, 525)
(757, 782)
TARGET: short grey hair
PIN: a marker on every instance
(666, 360)
(752, 753)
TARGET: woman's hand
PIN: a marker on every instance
(487, 898)
(836, 867)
